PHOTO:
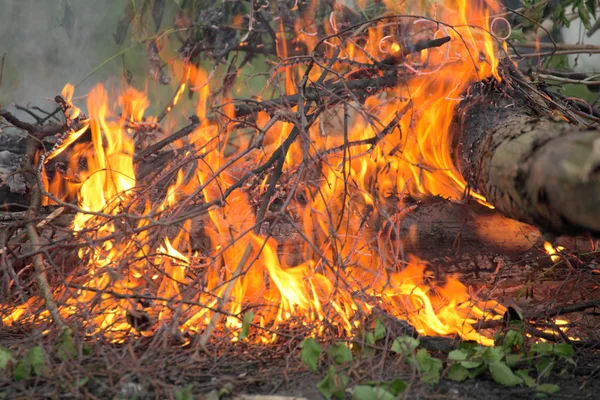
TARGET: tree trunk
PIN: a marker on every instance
(530, 167)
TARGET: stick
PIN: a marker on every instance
(567, 309)
(2, 68)
(30, 216)
(168, 140)
(39, 132)
(40, 224)
(341, 89)
(213, 321)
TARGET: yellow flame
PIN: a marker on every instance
(342, 270)
(553, 251)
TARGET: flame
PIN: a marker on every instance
(553, 251)
(139, 273)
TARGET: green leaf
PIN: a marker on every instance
(5, 357)
(471, 364)
(524, 374)
(339, 353)
(564, 350)
(32, 364)
(65, 348)
(458, 373)
(474, 373)
(519, 36)
(591, 6)
(364, 392)
(584, 16)
(141, 22)
(397, 386)
(429, 367)
(21, 372)
(470, 347)
(405, 344)
(513, 359)
(246, 321)
(542, 348)
(333, 385)
(513, 338)
(379, 330)
(503, 374)
(184, 393)
(548, 388)
(370, 338)
(458, 355)
(544, 366)
(492, 355)
(311, 351)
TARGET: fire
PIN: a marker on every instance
(553, 251)
(139, 272)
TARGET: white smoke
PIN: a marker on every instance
(51, 42)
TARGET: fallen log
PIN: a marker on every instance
(531, 167)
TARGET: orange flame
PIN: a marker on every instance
(132, 268)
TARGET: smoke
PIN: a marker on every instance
(51, 42)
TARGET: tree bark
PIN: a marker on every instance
(528, 166)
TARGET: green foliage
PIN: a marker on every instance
(560, 13)
(364, 392)
(184, 393)
(509, 363)
(429, 367)
(65, 349)
(334, 384)
(379, 330)
(247, 320)
(5, 358)
(33, 364)
(405, 345)
(339, 353)
(311, 351)
(503, 374)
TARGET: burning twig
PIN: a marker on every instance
(225, 298)
(183, 132)
(30, 217)
(340, 90)
(410, 48)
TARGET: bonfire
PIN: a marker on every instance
(334, 177)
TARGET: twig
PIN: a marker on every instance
(40, 224)
(30, 216)
(39, 132)
(371, 86)
(558, 46)
(566, 309)
(31, 113)
(213, 321)
(48, 115)
(570, 80)
(2, 68)
(168, 140)
(415, 48)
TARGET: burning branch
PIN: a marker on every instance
(319, 159)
